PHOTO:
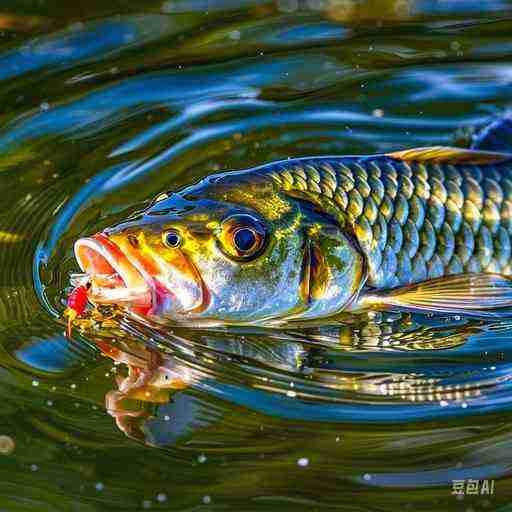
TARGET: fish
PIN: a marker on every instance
(310, 238)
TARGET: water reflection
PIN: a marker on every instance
(216, 392)
(364, 372)
(105, 109)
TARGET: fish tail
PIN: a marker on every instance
(496, 135)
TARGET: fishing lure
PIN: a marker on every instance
(76, 304)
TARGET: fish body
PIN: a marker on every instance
(413, 220)
(309, 238)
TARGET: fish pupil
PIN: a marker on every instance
(244, 239)
(172, 239)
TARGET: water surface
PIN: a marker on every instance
(104, 107)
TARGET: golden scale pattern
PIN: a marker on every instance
(414, 220)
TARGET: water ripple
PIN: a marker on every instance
(99, 117)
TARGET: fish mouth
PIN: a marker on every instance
(114, 278)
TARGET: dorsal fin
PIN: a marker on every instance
(496, 136)
(450, 155)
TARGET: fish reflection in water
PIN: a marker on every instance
(307, 393)
(328, 373)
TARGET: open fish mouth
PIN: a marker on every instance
(114, 278)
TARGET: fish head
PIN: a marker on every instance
(222, 255)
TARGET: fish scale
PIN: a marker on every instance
(413, 220)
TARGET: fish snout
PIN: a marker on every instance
(115, 277)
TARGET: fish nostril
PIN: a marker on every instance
(134, 241)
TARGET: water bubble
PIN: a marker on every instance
(378, 112)
(303, 462)
(317, 5)
(167, 417)
(35, 383)
(168, 7)
(367, 477)
(161, 497)
(6, 445)
(146, 504)
(74, 27)
(235, 35)
(206, 499)
(44, 106)
(34, 467)
(202, 458)
(287, 6)
(99, 486)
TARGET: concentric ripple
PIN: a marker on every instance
(100, 113)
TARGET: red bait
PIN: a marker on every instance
(77, 301)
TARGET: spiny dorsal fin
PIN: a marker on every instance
(469, 294)
(449, 155)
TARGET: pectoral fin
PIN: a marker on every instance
(467, 294)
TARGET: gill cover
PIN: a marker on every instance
(332, 267)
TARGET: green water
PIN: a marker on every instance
(106, 104)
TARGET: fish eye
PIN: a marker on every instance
(244, 239)
(171, 239)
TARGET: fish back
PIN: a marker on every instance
(413, 218)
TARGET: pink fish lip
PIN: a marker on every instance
(115, 278)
